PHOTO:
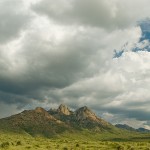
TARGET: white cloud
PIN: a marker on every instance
(108, 116)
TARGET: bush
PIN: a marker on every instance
(12, 143)
(28, 147)
(4, 144)
(18, 143)
(120, 147)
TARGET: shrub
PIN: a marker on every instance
(48, 147)
(120, 147)
(37, 145)
(28, 147)
(4, 144)
(65, 148)
(18, 143)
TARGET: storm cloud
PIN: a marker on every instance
(13, 19)
(50, 56)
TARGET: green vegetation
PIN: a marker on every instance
(54, 130)
(75, 141)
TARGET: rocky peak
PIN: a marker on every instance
(43, 112)
(64, 109)
(84, 113)
(40, 110)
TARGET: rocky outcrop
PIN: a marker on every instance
(85, 113)
(63, 109)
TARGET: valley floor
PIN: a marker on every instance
(13, 141)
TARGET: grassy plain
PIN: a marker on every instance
(75, 141)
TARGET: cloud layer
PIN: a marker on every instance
(109, 14)
(50, 56)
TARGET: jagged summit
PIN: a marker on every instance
(61, 110)
(64, 109)
(84, 112)
(54, 121)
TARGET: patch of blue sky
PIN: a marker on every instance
(145, 27)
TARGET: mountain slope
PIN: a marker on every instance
(87, 119)
(56, 121)
(34, 122)
(125, 127)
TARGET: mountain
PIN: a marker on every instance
(55, 121)
(34, 122)
(81, 118)
(87, 119)
(142, 130)
(126, 127)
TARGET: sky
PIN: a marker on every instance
(77, 52)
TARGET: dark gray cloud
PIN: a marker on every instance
(13, 19)
(46, 64)
(41, 64)
(7, 110)
(12, 98)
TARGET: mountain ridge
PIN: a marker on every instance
(129, 128)
(55, 121)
